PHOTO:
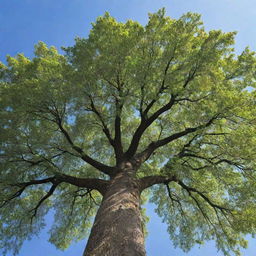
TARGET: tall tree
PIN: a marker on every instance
(167, 104)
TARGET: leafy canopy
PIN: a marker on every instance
(168, 92)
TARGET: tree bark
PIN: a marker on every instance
(117, 229)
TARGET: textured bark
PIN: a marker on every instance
(117, 229)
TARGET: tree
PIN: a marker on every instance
(165, 111)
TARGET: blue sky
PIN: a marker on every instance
(57, 22)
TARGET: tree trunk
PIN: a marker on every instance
(117, 229)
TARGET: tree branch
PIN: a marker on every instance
(161, 89)
(118, 135)
(144, 125)
(32, 162)
(89, 183)
(48, 194)
(23, 186)
(192, 100)
(117, 141)
(146, 122)
(101, 167)
(213, 205)
(149, 181)
(208, 220)
(144, 155)
(105, 128)
(190, 77)
(58, 119)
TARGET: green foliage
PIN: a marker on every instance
(74, 213)
(120, 70)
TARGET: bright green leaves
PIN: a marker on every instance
(73, 217)
(36, 81)
(220, 166)
(34, 94)
(17, 220)
(192, 220)
(241, 69)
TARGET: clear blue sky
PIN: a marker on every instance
(57, 22)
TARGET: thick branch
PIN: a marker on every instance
(58, 119)
(149, 181)
(144, 125)
(89, 183)
(158, 179)
(117, 139)
(101, 167)
(192, 100)
(146, 122)
(118, 135)
(183, 133)
(144, 155)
